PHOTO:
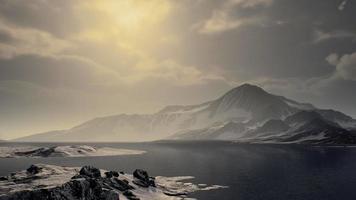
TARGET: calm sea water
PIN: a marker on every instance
(252, 172)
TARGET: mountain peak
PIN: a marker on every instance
(246, 90)
(247, 85)
(249, 88)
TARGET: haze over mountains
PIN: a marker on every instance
(246, 113)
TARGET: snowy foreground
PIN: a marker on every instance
(42, 181)
(64, 151)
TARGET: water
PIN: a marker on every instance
(252, 172)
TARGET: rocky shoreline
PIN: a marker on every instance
(49, 182)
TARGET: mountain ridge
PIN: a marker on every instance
(238, 114)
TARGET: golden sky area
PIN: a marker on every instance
(64, 62)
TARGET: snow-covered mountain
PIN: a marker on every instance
(245, 113)
(301, 127)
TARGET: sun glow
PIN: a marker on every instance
(132, 29)
(133, 15)
(134, 20)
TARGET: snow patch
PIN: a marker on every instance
(300, 106)
(64, 151)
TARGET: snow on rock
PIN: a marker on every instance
(64, 151)
(300, 106)
(42, 181)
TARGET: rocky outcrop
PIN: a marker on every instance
(89, 171)
(89, 189)
(49, 182)
(88, 184)
(141, 178)
(34, 169)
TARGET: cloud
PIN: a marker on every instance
(332, 59)
(345, 66)
(223, 19)
(314, 88)
(320, 36)
(249, 3)
(16, 41)
(59, 18)
(106, 57)
(344, 71)
(55, 71)
(342, 5)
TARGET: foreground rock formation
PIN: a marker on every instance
(49, 182)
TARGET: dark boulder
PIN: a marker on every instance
(128, 194)
(117, 184)
(34, 169)
(111, 174)
(142, 178)
(141, 175)
(90, 171)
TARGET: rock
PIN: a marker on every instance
(152, 183)
(78, 176)
(88, 189)
(33, 169)
(142, 178)
(170, 193)
(115, 173)
(90, 171)
(119, 184)
(65, 183)
(40, 152)
(111, 174)
(141, 174)
(128, 194)
(110, 195)
(108, 175)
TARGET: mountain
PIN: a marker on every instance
(245, 113)
(301, 127)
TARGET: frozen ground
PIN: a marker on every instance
(64, 151)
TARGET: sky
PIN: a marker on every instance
(64, 62)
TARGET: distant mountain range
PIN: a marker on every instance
(246, 113)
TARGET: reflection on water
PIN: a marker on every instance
(251, 171)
